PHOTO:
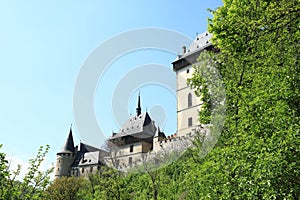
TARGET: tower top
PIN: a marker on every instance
(139, 109)
(69, 144)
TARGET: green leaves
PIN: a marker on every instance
(33, 184)
(259, 44)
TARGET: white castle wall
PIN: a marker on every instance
(184, 111)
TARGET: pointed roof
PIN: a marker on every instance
(190, 56)
(87, 153)
(139, 109)
(200, 42)
(159, 134)
(140, 126)
(69, 144)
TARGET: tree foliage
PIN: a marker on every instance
(33, 184)
(257, 156)
(66, 188)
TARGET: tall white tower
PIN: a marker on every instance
(188, 104)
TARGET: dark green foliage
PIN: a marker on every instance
(66, 188)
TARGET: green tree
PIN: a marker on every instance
(257, 156)
(4, 175)
(107, 184)
(67, 188)
(33, 184)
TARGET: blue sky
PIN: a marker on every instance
(43, 47)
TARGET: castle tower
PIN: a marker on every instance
(65, 157)
(188, 104)
(134, 139)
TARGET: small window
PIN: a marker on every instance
(91, 169)
(131, 148)
(187, 71)
(82, 170)
(190, 121)
(130, 161)
(190, 103)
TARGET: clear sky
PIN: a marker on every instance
(43, 45)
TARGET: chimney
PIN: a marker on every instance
(183, 50)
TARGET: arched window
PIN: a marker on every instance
(190, 100)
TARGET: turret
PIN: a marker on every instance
(65, 157)
(159, 136)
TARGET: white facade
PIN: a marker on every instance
(188, 104)
(128, 155)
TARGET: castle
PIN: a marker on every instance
(139, 136)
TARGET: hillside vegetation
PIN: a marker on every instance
(258, 153)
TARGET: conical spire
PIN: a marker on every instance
(138, 109)
(69, 144)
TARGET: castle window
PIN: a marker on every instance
(130, 161)
(190, 121)
(91, 169)
(131, 148)
(82, 170)
(187, 71)
(190, 103)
